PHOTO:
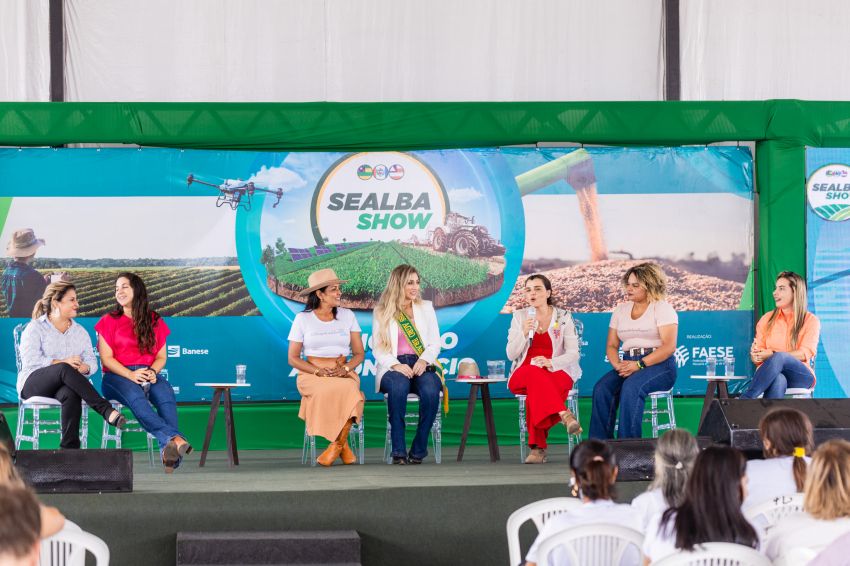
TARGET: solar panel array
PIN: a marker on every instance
(322, 250)
(297, 254)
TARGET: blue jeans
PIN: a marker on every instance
(162, 423)
(629, 393)
(397, 386)
(779, 372)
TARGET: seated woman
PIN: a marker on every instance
(786, 435)
(132, 350)
(327, 334)
(711, 510)
(56, 360)
(544, 368)
(594, 473)
(406, 343)
(675, 454)
(646, 325)
(826, 504)
(786, 342)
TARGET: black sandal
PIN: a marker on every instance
(119, 421)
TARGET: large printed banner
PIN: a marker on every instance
(827, 263)
(226, 240)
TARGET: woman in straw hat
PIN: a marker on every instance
(406, 344)
(329, 337)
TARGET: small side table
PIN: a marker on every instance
(716, 386)
(222, 390)
(484, 386)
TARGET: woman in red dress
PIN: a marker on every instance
(545, 367)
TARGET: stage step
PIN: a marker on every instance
(270, 548)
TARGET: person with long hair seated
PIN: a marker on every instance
(647, 326)
(327, 334)
(52, 520)
(826, 505)
(406, 343)
(710, 511)
(132, 350)
(786, 435)
(57, 359)
(786, 342)
(675, 454)
(545, 368)
(593, 469)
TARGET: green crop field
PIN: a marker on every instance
(174, 291)
(367, 268)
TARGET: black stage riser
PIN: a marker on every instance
(636, 457)
(735, 422)
(76, 471)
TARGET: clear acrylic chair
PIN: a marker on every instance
(411, 419)
(651, 414)
(114, 434)
(572, 439)
(356, 439)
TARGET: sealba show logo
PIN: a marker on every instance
(390, 196)
(828, 190)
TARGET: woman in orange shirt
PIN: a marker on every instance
(786, 341)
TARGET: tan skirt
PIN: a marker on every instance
(328, 402)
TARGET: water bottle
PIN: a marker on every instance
(711, 366)
(241, 370)
(730, 365)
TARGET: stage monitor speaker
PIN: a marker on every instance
(636, 457)
(736, 421)
(76, 471)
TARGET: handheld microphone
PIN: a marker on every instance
(531, 312)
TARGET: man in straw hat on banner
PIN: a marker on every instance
(22, 285)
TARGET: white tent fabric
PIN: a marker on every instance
(24, 50)
(762, 49)
(380, 50)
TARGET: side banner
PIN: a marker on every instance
(226, 240)
(827, 261)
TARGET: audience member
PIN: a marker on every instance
(20, 525)
(52, 520)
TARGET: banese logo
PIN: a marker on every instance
(362, 195)
(175, 351)
(828, 190)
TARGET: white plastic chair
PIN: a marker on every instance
(594, 544)
(539, 512)
(356, 439)
(770, 512)
(68, 548)
(572, 439)
(411, 418)
(716, 554)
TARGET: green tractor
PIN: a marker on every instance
(462, 236)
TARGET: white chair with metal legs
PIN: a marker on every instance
(572, 439)
(356, 439)
(411, 418)
(114, 434)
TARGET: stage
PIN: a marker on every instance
(428, 514)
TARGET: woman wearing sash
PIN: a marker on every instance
(327, 334)
(406, 343)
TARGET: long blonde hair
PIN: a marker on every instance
(391, 300)
(801, 305)
(54, 292)
(827, 489)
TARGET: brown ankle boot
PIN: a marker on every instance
(345, 452)
(347, 455)
(330, 454)
(336, 448)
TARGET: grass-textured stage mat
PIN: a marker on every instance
(270, 426)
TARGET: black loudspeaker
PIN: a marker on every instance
(736, 421)
(636, 457)
(76, 471)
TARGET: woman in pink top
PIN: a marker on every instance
(131, 342)
(647, 327)
(786, 342)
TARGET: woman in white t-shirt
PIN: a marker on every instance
(786, 434)
(646, 325)
(594, 474)
(327, 334)
(675, 454)
(826, 504)
(711, 510)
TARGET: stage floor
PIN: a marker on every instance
(426, 514)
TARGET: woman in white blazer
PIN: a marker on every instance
(400, 369)
(545, 367)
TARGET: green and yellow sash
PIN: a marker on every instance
(412, 336)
